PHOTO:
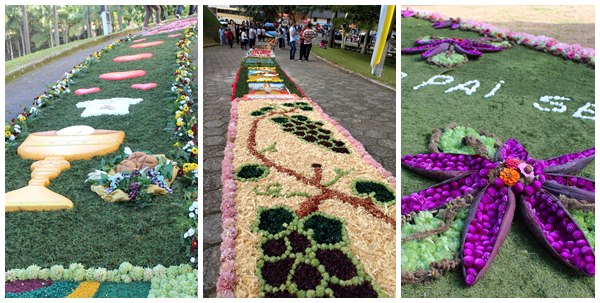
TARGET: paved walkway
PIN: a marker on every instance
(367, 110)
(19, 93)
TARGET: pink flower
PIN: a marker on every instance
(526, 170)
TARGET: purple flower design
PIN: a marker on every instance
(495, 187)
(407, 13)
(432, 47)
(451, 23)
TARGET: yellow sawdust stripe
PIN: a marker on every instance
(85, 290)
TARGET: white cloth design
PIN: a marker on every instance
(114, 106)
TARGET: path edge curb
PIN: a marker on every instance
(357, 74)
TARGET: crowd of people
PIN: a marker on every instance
(299, 38)
(158, 15)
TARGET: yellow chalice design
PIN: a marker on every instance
(54, 150)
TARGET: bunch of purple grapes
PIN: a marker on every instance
(134, 188)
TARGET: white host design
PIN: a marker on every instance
(114, 106)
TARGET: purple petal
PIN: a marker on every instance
(569, 191)
(554, 227)
(566, 180)
(436, 50)
(443, 24)
(569, 163)
(455, 25)
(486, 48)
(511, 149)
(465, 49)
(406, 14)
(417, 49)
(486, 227)
(442, 193)
(442, 166)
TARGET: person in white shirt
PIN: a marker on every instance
(293, 39)
(252, 37)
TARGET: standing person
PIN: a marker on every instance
(263, 32)
(237, 34)
(244, 39)
(229, 36)
(309, 34)
(222, 35)
(284, 36)
(148, 14)
(252, 37)
(279, 36)
(179, 11)
(302, 46)
(293, 34)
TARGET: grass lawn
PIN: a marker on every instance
(523, 268)
(210, 27)
(97, 233)
(357, 63)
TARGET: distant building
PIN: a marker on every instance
(322, 17)
(229, 14)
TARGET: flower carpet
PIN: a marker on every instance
(306, 211)
(514, 214)
(147, 244)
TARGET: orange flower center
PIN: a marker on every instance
(509, 176)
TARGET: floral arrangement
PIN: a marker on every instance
(573, 52)
(446, 52)
(544, 188)
(15, 128)
(190, 237)
(131, 176)
(173, 26)
(292, 223)
(185, 120)
(260, 53)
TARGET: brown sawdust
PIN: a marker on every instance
(299, 156)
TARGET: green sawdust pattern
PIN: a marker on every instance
(123, 290)
(523, 268)
(97, 233)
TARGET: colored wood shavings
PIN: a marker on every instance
(133, 57)
(263, 75)
(307, 212)
(85, 290)
(87, 91)
(147, 44)
(117, 76)
(262, 88)
(139, 40)
(143, 86)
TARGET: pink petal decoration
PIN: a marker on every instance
(174, 35)
(139, 40)
(143, 86)
(133, 57)
(86, 91)
(117, 76)
(147, 44)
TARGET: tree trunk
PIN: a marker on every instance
(10, 47)
(120, 17)
(66, 35)
(363, 50)
(26, 42)
(332, 31)
(56, 33)
(88, 23)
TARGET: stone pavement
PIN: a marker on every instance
(366, 110)
(19, 93)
